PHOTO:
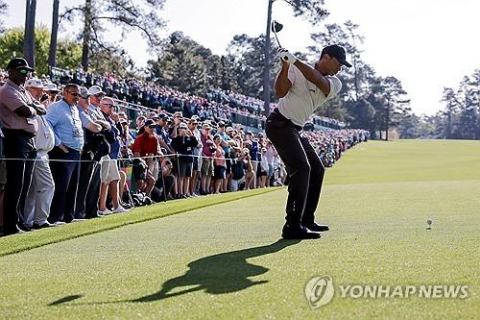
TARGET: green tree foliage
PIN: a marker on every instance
(247, 56)
(183, 65)
(460, 118)
(11, 44)
(124, 15)
(105, 61)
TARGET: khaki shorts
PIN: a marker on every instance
(154, 169)
(109, 170)
(207, 167)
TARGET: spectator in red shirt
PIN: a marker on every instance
(146, 146)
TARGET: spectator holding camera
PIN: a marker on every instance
(208, 150)
(177, 119)
(197, 152)
(184, 144)
(262, 171)
(220, 166)
(110, 174)
(163, 122)
(239, 166)
(52, 92)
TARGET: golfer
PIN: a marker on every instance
(302, 89)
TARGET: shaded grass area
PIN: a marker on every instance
(21, 242)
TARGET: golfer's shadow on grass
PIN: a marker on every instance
(220, 273)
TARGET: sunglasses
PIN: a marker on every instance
(23, 71)
(75, 94)
(152, 127)
(108, 105)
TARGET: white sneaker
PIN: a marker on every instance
(106, 212)
(120, 209)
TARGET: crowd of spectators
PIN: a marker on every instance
(89, 158)
(216, 103)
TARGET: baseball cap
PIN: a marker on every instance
(52, 87)
(163, 116)
(34, 83)
(229, 129)
(149, 123)
(195, 117)
(19, 63)
(95, 90)
(338, 52)
(84, 93)
(206, 126)
(182, 125)
(221, 124)
(192, 120)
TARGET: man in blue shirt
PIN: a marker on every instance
(65, 121)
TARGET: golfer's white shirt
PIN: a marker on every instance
(304, 97)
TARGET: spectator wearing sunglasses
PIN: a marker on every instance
(17, 117)
(52, 91)
(65, 120)
(110, 174)
(88, 188)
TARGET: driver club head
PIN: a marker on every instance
(277, 27)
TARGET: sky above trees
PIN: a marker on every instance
(426, 44)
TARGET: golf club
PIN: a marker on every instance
(277, 27)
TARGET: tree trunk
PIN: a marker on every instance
(87, 34)
(29, 37)
(266, 68)
(53, 38)
(387, 121)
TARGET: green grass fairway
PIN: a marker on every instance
(226, 261)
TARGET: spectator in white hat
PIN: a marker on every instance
(52, 91)
(35, 87)
(42, 188)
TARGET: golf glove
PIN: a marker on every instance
(286, 56)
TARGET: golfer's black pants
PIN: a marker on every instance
(303, 165)
(19, 145)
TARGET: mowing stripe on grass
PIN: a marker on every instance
(22, 242)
